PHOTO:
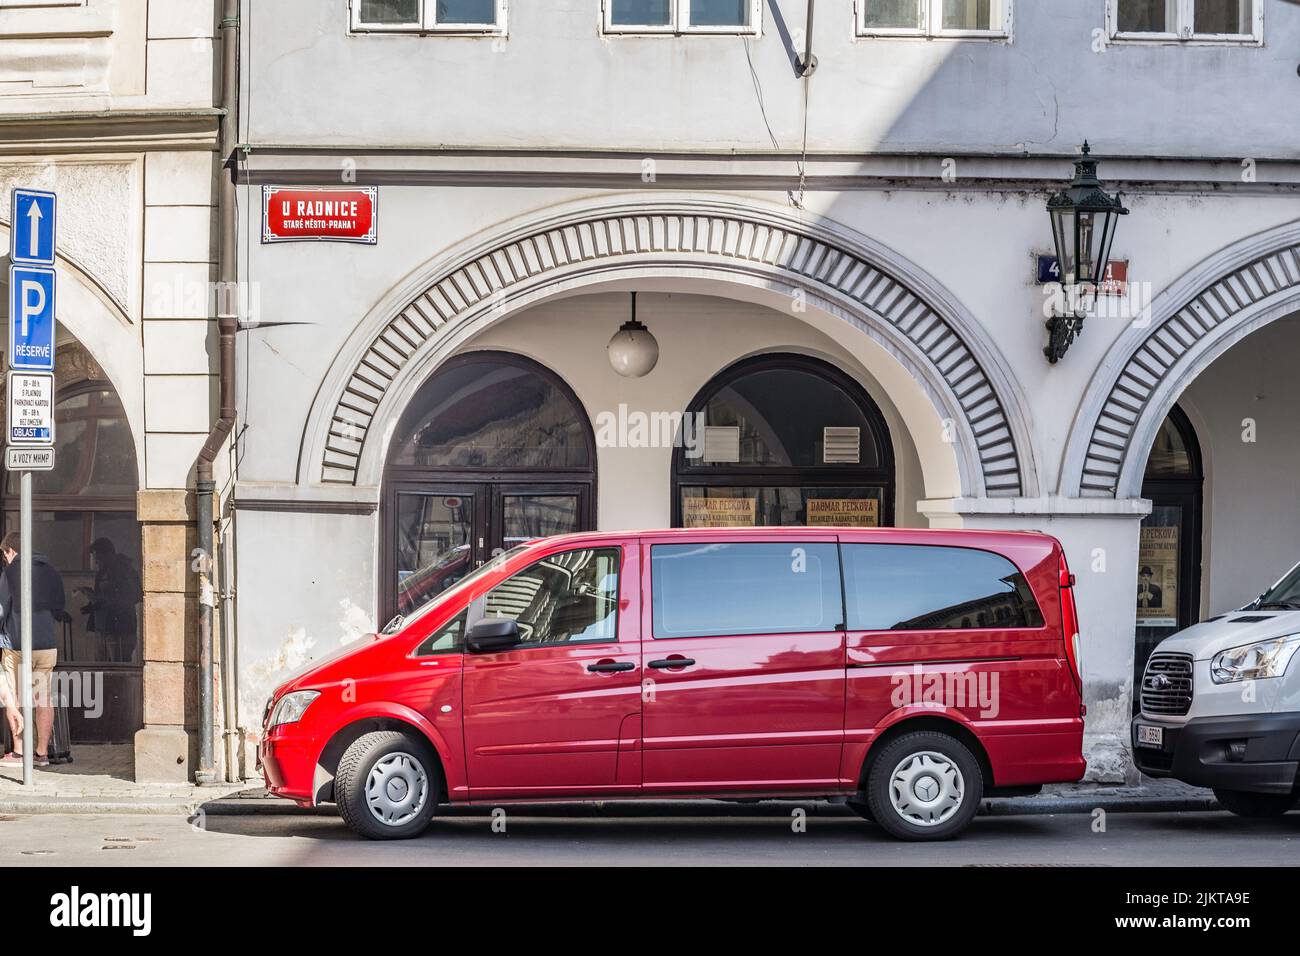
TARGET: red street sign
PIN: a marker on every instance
(1115, 282)
(290, 214)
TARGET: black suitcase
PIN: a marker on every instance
(60, 747)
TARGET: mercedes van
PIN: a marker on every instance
(910, 673)
(1221, 705)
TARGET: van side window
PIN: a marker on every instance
(704, 590)
(448, 639)
(562, 599)
(905, 587)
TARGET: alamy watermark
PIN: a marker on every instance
(958, 690)
(632, 428)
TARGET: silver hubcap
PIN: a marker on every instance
(926, 788)
(396, 789)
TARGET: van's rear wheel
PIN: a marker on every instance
(387, 785)
(1245, 804)
(924, 786)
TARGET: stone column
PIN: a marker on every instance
(1100, 537)
(166, 747)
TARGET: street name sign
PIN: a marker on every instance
(1115, 282)
(323, 214)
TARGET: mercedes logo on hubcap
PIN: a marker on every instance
(927, 788)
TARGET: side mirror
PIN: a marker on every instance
(492, 634)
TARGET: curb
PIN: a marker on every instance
(1001, 806)
(271, 806)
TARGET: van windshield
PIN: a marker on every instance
(401, 620)
(1283, 596)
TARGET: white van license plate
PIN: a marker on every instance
(1150, 736)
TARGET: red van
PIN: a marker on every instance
(911, 672)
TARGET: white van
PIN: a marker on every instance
(1221, 705)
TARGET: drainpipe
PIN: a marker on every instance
(227, 325)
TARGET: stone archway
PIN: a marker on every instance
(817, 264)
(1198, 318)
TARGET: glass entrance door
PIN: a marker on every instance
(441, 532)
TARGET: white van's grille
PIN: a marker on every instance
(1167, 685)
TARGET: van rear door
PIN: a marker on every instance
(744, 663)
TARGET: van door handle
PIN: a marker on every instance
(672, 662)
(609, 667)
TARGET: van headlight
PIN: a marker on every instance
(292, 706)
(1254, 661)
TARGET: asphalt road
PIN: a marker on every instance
(743, 836)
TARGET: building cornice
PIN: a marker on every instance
(770, 171)
(103, 131)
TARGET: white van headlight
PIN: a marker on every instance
(1254, 661)
(291, 707)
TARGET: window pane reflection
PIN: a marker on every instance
(491, 414)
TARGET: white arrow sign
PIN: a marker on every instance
(34, 238)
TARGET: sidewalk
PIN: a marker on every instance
(100, 781)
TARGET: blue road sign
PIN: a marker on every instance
(31, 318)
(32, 227)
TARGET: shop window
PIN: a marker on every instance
(84, 521)
(921, 588)
(934, 18)
(702, 590)
(1168, 574)
(784, 440)
(429, 16)
(494, 450)
(1203, 21)
(683, 16)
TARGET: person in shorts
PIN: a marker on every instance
(48, 599)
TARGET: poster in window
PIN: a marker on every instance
(718, 512)
(844, 512)
(1157, 590)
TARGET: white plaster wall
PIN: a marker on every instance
(306, 586)
(698, 337)
(312, 295)
(1047, 90)
(1252, 491)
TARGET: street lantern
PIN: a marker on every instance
(633, 351)
(1083, 228)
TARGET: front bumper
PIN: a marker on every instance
(1197, 752)
(288, 765)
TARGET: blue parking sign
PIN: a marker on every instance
(33, 225)
(31, 318)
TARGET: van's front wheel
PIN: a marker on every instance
(1245, 804)
(924, 786)
(387, 785)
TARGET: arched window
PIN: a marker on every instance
(86, 501)
(1169, 549)
(783, 440)
(493, 450)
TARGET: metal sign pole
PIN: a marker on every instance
(29, 422)
(25, 557)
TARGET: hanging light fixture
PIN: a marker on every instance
(1083, 227)
(633, 351)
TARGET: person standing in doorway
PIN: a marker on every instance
(47, 599)
(111, 611)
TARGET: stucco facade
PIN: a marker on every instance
(110, 104)
(529, 180)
